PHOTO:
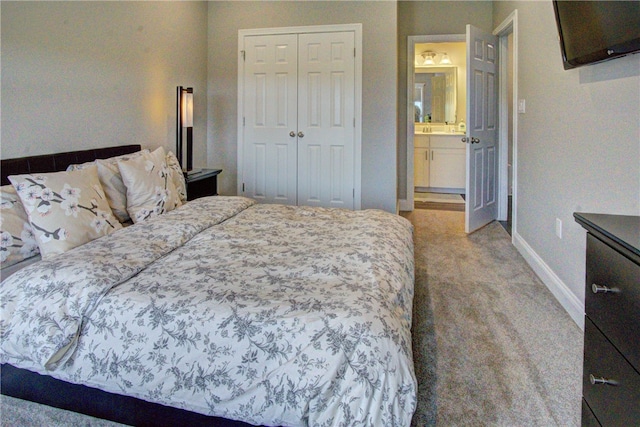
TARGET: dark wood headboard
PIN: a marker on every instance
(59, 161)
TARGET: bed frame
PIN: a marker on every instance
(27, 385)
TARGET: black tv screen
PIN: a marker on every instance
(594, 31)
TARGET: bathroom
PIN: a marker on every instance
(439, 105)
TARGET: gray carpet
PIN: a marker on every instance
(492, 347)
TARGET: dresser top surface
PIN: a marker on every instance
(623, 230)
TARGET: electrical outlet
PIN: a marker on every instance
(559, 228)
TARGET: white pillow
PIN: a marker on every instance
(17, 241)
(65, 209)
(150, 188)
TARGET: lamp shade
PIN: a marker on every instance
(187, 108)
(445, 59)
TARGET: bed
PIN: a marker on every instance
(221, 311)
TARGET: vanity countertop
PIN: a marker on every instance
(456, 133)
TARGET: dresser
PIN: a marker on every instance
(611, 366)
(202, 183)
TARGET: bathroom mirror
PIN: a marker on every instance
(435, 94)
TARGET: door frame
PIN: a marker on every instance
(408, 203)
(357, 149)
(508, 27)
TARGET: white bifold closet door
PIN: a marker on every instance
(299, 119)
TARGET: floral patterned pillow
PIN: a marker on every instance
(65, 209)
(177, 176)
(150, 188)
(17, 241)
(111, 182)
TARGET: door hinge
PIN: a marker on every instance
(243, 187)
(354, 52)
(242, 52)
(243, 121)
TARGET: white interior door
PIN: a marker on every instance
(270, 118)
(299, 118)
(326, 119)
(482, 129)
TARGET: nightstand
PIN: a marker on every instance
(203, 183)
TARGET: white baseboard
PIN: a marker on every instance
(405, 205)
(558, 288)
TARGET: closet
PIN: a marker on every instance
(297, 118)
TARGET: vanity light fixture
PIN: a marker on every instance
(445, 59)
(184, 118)
(428, 58)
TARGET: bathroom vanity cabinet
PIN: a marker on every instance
(439, 162)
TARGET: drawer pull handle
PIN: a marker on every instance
(601, 289)
(593, 380)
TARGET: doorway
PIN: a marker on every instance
(436, 72)
(507, 139)
(507, 33)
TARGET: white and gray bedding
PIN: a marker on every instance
(269, 314)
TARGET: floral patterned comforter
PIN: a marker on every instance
(269, 314)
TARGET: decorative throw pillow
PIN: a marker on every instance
(65, 209)
(17, 241)
(150, 188)
(111, 181)
(80, 166)
(114, 160)
(177, 176)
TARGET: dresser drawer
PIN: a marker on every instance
(613, 405)
(617, 314)
(588, 419)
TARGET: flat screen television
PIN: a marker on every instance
(595, 31)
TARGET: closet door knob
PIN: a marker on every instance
(465, 139)
(292, 134)
(300, 134)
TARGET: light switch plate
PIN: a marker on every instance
(522, 106)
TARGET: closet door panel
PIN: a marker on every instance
(270, 79)
(326, 101)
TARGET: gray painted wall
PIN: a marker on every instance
(78, 75)
(379, 23)
(87, 74)
(427, 18)
(578, 143)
